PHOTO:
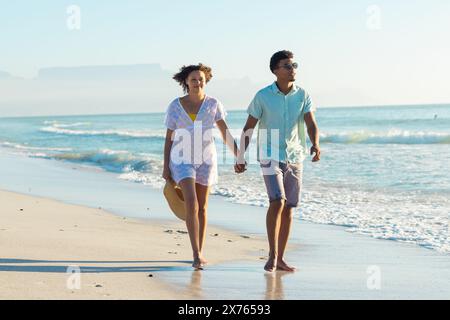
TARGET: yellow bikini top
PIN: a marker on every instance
(193, 116)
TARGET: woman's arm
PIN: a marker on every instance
(167, 147)
(227, 137)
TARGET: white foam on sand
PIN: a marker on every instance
(410, 217)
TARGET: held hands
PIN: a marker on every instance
(241, 165)
(315, 149)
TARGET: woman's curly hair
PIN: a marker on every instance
(181, 76)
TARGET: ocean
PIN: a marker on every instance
(384, 171)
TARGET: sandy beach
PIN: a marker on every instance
(40, 239)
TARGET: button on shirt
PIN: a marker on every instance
(281, 128)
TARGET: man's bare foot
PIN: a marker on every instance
(270, 264)
(197, 264)
(283, 266)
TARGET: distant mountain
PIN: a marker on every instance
(107, 89)
(4, 74)
(110, 73)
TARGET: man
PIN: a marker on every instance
(282, 110)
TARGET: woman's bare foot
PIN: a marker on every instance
(283, 266)
(197, 264)
(270, 264)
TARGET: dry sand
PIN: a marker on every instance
(40, 239)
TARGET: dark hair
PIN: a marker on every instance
(278, 56)
(181, 76)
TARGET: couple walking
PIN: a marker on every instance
(282, 110)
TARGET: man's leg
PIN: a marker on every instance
(292, 184)
(273, 179)
(285, 229)
(273, 229)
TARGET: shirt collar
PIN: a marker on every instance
(277, 91)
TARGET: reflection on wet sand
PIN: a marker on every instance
(195, 286)
(274, 285)
(271, 288)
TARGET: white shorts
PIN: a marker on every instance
(204, 174)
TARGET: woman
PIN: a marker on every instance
(195, 168)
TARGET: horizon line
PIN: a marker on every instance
(228, 111)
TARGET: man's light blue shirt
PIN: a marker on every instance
(283, 115)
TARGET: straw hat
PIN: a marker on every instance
(175, 199)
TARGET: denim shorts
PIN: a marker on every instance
(283, 181)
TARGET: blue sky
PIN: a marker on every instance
(342, 60)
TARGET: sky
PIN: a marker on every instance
(353, 52)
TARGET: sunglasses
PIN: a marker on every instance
(289, 66)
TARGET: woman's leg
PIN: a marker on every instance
(202, 198)
(192, 221)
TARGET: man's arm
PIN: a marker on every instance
(246, 137)
(313, 133)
